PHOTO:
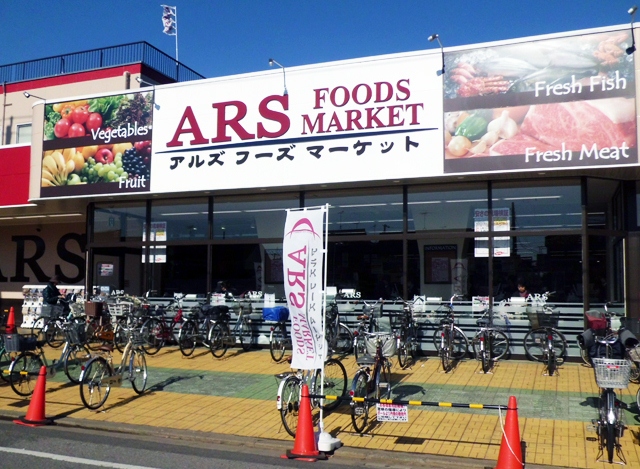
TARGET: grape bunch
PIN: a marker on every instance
(98, 172)
(134, 163)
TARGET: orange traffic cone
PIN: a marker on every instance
(11, 321)
(510, 456)
(35, 415)
(305, 447)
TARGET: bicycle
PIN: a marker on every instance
(221, 335)
(366, 324)
(279, 339)
(450, 341)
(407, 335)
(24, 370)
(610, 374)
(162, 326)
(339, 337)
(489, 344)
(49, 325)
(544, 342)
(290, 391)
(99, 375)
(373, 378)
(196, 328)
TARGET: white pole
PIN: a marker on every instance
(324, 302)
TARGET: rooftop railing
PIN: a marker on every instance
(136, 52)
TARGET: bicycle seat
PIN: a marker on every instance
(482, 322)
(363, 317)
(106, 348)
(608, 339)
(446, 321)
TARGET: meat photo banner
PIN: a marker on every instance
(303, 254)
(550, 103)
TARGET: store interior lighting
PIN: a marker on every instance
(631, 49)
(436, 37)
(284, 75)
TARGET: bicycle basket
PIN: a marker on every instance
(611, 373)
(120, 309)
(596, 320)
(76, 333)
(19, 343)
(51, 311)
(541, 319)
(137, 339)
(388, 341)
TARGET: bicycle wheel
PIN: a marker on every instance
(5, 363)
(499, 344)
(93, 332)
(403, 354)
(638, 399)
(153, 335)
(344, 339)
(610, 440)
(535, 343)
(359, 410)
(217, 342)
(290, 403)
(383, 381)
(54, 334)
(74, 361)
(335, 383)
(277, 343)
(187, 337)
(245, 336)
(138, 371)
(120, 337)
(359, 347)
(23, 373)
(552, 364)
(93, 392)
(446, 351)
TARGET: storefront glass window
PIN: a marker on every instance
(251, 217)
(242, 268)
(543, 263)
(361, 212)
(438, 208)
(179, 269)
(179, 219)
(606, 270)
(374, 269)
(441, 267)
(540, 205)
(117, 269)
(119, 222)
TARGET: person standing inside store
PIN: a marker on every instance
(523, 291)
(221, 288)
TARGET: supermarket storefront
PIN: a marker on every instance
(504, 168)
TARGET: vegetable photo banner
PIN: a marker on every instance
(97, 145)
(303, 265)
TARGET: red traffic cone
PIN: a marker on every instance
(305, 447)
(11, 321)
(35, 415)
(510, 456)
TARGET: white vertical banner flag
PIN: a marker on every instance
(169, 20)
(303, 264)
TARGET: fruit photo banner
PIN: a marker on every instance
(97, 146)
(552, 103)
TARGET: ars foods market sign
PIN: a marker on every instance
(368, 120)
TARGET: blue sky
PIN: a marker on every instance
(217, 38)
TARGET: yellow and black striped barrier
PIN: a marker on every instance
(371, 400)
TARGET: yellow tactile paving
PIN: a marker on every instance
(429, 431)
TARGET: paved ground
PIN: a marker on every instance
(235, 396)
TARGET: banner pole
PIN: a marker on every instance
(324, 303)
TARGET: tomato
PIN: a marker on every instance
(80, 115)
(76, 130)
(61, 128)
(94, 121)
(66, 111)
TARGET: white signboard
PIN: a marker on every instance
(392, 413)
(501, 222)
(376, 118)
(303, 260)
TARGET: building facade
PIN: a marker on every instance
(463, 171)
